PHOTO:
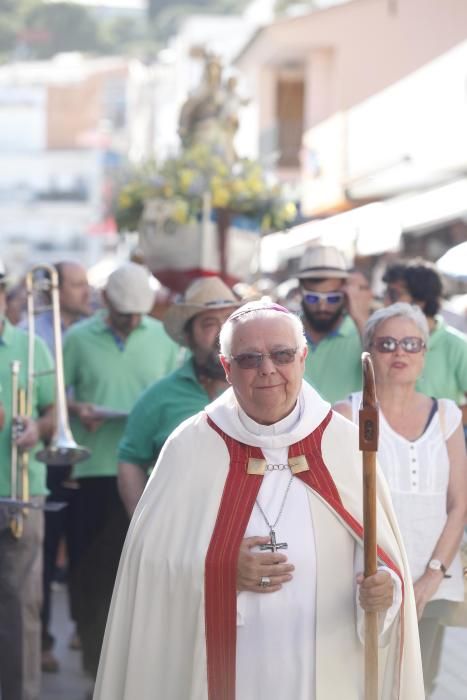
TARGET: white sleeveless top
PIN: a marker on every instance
(418, 475)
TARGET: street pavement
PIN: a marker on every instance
(452, 680)
(72, 684)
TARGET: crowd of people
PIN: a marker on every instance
(245, 539)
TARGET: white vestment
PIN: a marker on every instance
(300, 642)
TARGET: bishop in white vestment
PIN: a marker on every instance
(238, 580)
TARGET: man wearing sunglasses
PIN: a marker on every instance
(240, 577)
(335, 304)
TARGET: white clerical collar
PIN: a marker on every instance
(309, 412)
(282, 426)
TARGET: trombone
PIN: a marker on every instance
(62, 449)
(19, 492)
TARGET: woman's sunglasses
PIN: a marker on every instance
(410, 344)
(253, 360)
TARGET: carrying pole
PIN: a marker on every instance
(368, 434)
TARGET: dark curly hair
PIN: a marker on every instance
(422, 280)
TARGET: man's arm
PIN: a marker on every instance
(463, 408)
(132, 480)
(138, 449)
(359, 299)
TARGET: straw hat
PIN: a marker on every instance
(323, 262)
(203, 294)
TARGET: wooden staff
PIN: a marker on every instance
(368, 433)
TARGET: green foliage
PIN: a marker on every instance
(12, 14)
(34, 29)
(213, 6)
(282, 6)
(167, 15)
(66, 27)
(8, 32)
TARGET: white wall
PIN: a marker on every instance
(384, 80)
(23, 118)
(422, 117)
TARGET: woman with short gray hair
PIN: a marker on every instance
(422, 454)
(402, 310)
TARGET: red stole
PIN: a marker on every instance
(238, 499)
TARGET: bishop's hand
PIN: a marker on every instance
(376, 591)
(261, 572)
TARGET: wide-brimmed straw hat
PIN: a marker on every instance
(323, 262)
(203, 294)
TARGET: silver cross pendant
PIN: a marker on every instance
(273, 546)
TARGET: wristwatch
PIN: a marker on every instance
(436, 565)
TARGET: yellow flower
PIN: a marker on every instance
(180, 211)
(167, 191)
(220, 196)
(239, 187)
(255, 185)
(186, 177)
(124, 201)
(288, 211)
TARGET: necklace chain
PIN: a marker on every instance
(273, 525)
(277, 467)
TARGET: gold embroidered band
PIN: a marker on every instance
(298, 464)
(256, 466)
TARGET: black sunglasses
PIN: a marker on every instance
(253, 360)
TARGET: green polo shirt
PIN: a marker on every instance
(104, 371)
(445, 372)
(158, 412)
(333, 366)
(14, 346)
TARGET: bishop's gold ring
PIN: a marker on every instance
(265, 581)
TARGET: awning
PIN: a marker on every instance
(371, 229)
(425, 211)
(454, 262)
(367, 230)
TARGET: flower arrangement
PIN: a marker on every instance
(242, 187)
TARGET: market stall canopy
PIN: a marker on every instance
(371, 229)
(454, 262)
(366, 230)
(424, 211)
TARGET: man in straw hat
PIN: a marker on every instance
(194, 321)
(240, 574)
(109, 359)
(334, 306)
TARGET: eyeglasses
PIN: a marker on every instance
(329, 297)
(253, 360)
(410, 344)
